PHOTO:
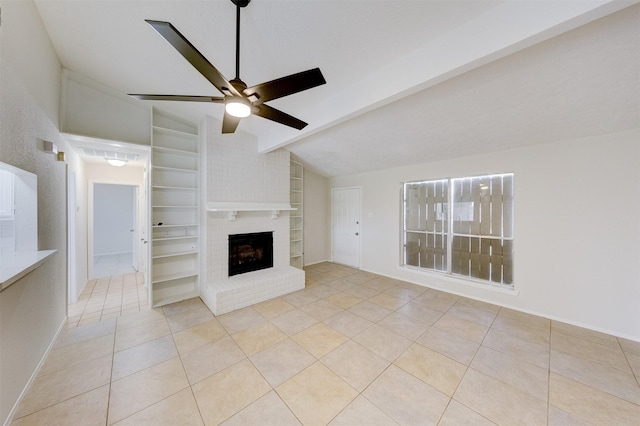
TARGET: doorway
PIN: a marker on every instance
(114, 224)
(345, 226)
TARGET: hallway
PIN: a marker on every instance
(108, 297)
(113, 264)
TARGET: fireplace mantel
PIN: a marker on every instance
(233, 207)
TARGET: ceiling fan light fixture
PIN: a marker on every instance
(238, 107)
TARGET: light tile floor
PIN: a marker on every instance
(108, 297)
(113, 264)
(353, 348)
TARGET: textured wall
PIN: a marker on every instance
(34, 307)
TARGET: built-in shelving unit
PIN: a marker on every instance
(296, 216)
(175, 207)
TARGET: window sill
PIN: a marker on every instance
(446, 281)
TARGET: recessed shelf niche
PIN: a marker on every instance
(19, 252)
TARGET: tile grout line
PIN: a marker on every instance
(549, 376)
(626, 357)
(189, 385)
(113, 355)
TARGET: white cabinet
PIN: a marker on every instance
(296, 217)
(175, 209)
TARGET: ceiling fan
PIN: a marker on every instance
(240, 101)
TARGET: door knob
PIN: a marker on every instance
(357, 233)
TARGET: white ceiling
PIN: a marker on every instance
(407, 81)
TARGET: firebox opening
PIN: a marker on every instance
(250, 252)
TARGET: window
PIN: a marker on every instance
(426, 224)
(461, 226)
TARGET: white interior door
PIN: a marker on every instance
(345, 226)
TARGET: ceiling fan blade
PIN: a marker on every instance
(214, 99)
(195, 58)
(285, 86)
(229, 123)
(270, 113)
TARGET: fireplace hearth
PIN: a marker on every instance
(250, 252)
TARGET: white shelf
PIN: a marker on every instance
(182, 237)
(233, 208)
(175, 276)
(175, 169)
(183, 253)
(175, 225)
(173, 132)
(176, 151)
(185, 188)
(175, 207)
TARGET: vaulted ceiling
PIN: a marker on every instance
(407, 81)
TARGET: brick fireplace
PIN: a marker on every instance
(247, 192)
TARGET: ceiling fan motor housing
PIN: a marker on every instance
(238, 84)
(241, 3)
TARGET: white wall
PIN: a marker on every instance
(32, 309)
(113, 218)
(316, 218)
(104, 173)
(236, 171)
(82, 232)
(93, 109)
(26, 46)
(577, 233)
